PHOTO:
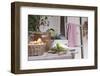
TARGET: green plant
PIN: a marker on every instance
(33, 23)
(58, 48)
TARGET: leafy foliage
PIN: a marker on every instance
(33, 23)
(58, 48)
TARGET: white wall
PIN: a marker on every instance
(5, 27)
(54, 23)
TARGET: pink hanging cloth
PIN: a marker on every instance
(72, 34)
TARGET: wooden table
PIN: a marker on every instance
(50, 56)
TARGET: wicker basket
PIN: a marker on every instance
(36, 50)
(45, 36)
